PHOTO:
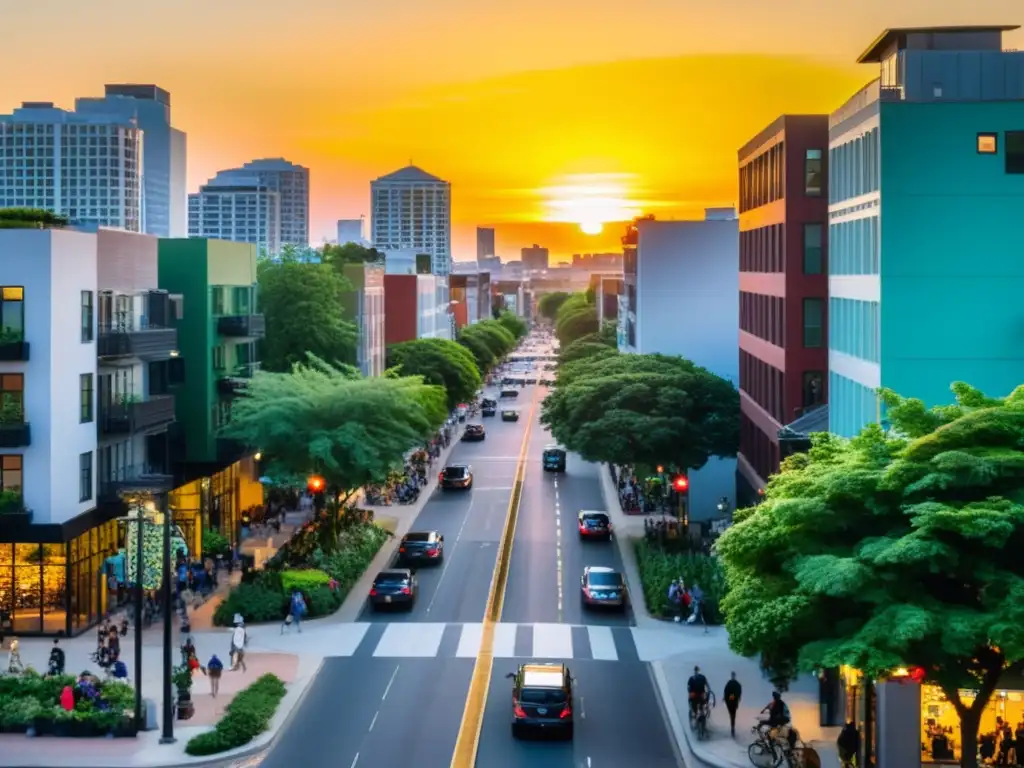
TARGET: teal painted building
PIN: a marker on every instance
(926, 200)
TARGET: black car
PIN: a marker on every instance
(594, 525)
(474, 433)
(488, 402)
(510, 393)
(605, 587)
(456, 476)
(488, 410)
(542, 699)
(394, 587)
(419, 547)
(510, 415)
(531, 380)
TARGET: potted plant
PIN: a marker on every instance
(11, 412)
(182, 679)
(12, 508)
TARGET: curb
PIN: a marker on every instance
(680, 731)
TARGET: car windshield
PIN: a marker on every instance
(606, 579)
(541, 696)
(391, 578)
(455, 473)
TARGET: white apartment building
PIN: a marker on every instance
(411, 210)
(237, 208)
(83, 166)
(291, 182)
(351, 231)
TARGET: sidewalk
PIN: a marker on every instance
(710, 651)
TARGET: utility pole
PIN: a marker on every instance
(167, 736)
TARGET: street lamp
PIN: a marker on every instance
(139, 521)
(723, 504)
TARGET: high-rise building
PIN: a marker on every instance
(534, 257)
(412, 210)
(239, 208)
(83, 166)
(351, 231)
(484, 243)
(164, 189)
(783, 348)
(934, 148)
(605, 261)
(291, 182)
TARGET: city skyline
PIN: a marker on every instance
(475, 109)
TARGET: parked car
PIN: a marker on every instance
(419, 547)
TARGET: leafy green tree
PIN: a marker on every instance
(550, 303)
(441, 362)
(603, 343)
(643, 409)
(349, 253)
(321, 419)
(304, 314)
(479, 348)
(898, 548)
(31, 218)
(577, 317)
(514, 324)
(497, 338)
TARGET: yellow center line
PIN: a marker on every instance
(476, 700)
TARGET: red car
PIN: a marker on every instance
(595, 525)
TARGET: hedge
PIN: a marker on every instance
(658, 568)
(246, 717)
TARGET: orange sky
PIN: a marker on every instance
(535, 111)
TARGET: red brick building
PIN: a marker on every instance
(783, 181)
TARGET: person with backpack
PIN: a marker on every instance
(779, 720)
(214, 668)
(296, 610)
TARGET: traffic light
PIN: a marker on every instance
(681, 484)
(661, 469)
(315, 484)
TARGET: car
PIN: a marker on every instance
(554, 459)
(509, 393)
(488, 410)
(419, 547)
(456, 476)
(488, 402)
(509, 415)
(474, 433)
(603, 587)
(594, 525)
(394, 587)
(531, 380)
(542, 699)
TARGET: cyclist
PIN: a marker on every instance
(698, 689)
(848, 744)
(779, 720)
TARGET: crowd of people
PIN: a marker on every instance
(404, 487)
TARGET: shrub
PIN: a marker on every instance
(303, 580)
(658, 568)
(323, 601)
(246, 717)
(215, 543)
(254, 602)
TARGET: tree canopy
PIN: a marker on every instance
(349, 253)
(441, 362)
(487, 340)
(550, 303)
(893, 549)
(31, 218)
(514, 324)
(603, 343)
(304, 314)
(331, 421)
(577, 317)
(643, 409)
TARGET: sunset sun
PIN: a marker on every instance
(591, 227)
(590, 201)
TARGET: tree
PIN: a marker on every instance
(550, 303)
(603, 343)
(576, 318)
(892, 549)
(643, 409)
(441, 362)
(31, 218)
(349, 253)
(304, 314)
(480, 350)
(493, 334)
(514, 324)
(330, 421)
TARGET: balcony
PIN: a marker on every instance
(128, 416)
(242, 326)
(152, 343)
(142, 478)
(13, 347)
(234, 383)
(15, 434)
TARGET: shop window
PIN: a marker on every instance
(85, 476)
(85, 390)
(33, 590)
(10, 472)
(988, 144)
(12, 313)
(1014, 152)
(88, 316)
(12, 397)
(813, 165)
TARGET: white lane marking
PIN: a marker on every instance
(405, 639)
(505, 641)
(447, 555)
(602, 644)
(388, 688)
(470, 638)
(552, 641)
(492, 487)
(374, 721)
(583, 711)
(354, 761)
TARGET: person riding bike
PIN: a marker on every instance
(779, 720)
(698, 689)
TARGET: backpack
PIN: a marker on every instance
(298, 604)
(785, 712)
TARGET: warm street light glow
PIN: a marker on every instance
(258, 456)
(315, 484)
(681, 483)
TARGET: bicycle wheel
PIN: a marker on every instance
(804, 757)
(763, 756)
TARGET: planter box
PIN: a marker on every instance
(14, 351)
(16, 519)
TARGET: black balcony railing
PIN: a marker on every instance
(15, 434)
(125, 417)
(150, 343)
(248, 326)
(13, 350)
(142, 478)
(235, 382)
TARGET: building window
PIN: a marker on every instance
(813, 236)
(988, 144)
(86, 391)
(87, 317)
(12, 314)
(12, 398)
(218, 358)
(10, 472)
(1014, 151)
(85, 476)
(813, 391)
(813, 322)
(812, 173)
(217, 299)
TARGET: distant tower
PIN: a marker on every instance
(411, 210)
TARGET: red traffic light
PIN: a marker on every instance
(315, 484)
(681, 483)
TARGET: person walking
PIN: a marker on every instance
(296, 610)
(239, 639)
(214, 668)
(732, 694)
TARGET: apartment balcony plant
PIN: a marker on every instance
(14, 430)
(13, 510)
(13, 347)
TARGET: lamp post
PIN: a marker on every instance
(140, 520)
(167, 736)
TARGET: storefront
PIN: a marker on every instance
(940, 724)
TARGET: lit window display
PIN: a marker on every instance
(33, 587)
(88, 553)
(940, 726)
(152, 549)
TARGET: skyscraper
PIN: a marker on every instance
(535, 257)
(412, 210)
(237, 207)
(86, 167)
(484, 242)
(291, 182)
(164, 190)
(351, 231)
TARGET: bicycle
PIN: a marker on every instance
(700, 721)
(767, 752)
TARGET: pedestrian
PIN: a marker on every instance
(732, 695)
(214, 668)
(14, 665)
(296, 610)
(239, 639)
(55, 666)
